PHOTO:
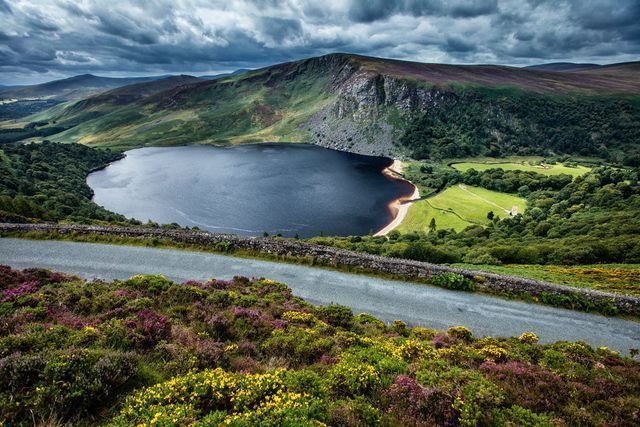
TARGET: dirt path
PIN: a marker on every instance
(464, 188)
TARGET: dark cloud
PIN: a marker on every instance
(120, 25)
(279, 29)
(374, 10)
(57, 38)
(470, 8)
(455, 44)
(4, 7)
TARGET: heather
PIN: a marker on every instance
(148, 351)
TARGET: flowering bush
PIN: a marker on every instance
(247, 352)
(353, 379)
(414, 350)
(494, 353)
(528, 338)
(336, 315)
(300, 318)
(299, 345)
(413, 404)
(150, 326)
(220, 397)
(529, 386)
(460, 332)
(70, 382)
(25, 288)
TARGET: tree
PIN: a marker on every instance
(490, 215)
(432, 225)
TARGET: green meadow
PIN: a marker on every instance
(547, 169)
(619, 278)
(458, 207)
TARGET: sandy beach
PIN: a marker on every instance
(401, 205)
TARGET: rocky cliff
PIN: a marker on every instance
(370, 113)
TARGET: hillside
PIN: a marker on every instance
(72, 87)
(368, 105)
(148, 351)
(563, 66)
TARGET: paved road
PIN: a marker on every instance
(389, 300)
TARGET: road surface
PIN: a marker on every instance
(389, 300)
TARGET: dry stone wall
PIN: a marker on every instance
(490, 282)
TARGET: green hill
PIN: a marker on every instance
(379, 106)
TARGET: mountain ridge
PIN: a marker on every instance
(74, 87)
(341, 101)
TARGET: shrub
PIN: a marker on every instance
(369, 322)
(183, 294)
(356, 412)
(413, 404)
(217, 397)
(529, 386)
(519, 416)
(64, 385)
(150, 326)
(299, 345)
(351, 379)
(150, 283)
(72, 350)
(19, 291)
(453, 281)
(414, 350)
(336, 315)
(528, 338)
(477, 398)
(460, 332)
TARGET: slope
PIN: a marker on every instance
(71, 88)
(347, 102)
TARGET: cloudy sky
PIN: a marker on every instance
(42, 40)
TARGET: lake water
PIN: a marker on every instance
(278, 188)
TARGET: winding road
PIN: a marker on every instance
(389, 300)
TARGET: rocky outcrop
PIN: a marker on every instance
(370, 112)
(323, 255)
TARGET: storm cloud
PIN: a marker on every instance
(50, 39)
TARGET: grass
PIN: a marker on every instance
(458, 207)
(618, 278)
(219, 113)
(524, 165)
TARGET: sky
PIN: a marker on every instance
(42, 40)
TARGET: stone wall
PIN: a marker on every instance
(490, 282)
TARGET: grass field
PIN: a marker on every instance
(619, 278)
(458, 207)
(523, 165)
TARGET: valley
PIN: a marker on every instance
(298, 213)
(519, 197)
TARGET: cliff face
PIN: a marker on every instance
(370, 112)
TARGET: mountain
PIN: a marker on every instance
(375, 106)
(218, 76)
(134, 92)
(71, 88)
(563, 66)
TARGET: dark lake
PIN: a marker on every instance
(279, 188)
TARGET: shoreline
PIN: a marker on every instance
(400, 206)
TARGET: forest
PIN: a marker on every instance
(591, 219)
(479, 121)
(47, 182)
